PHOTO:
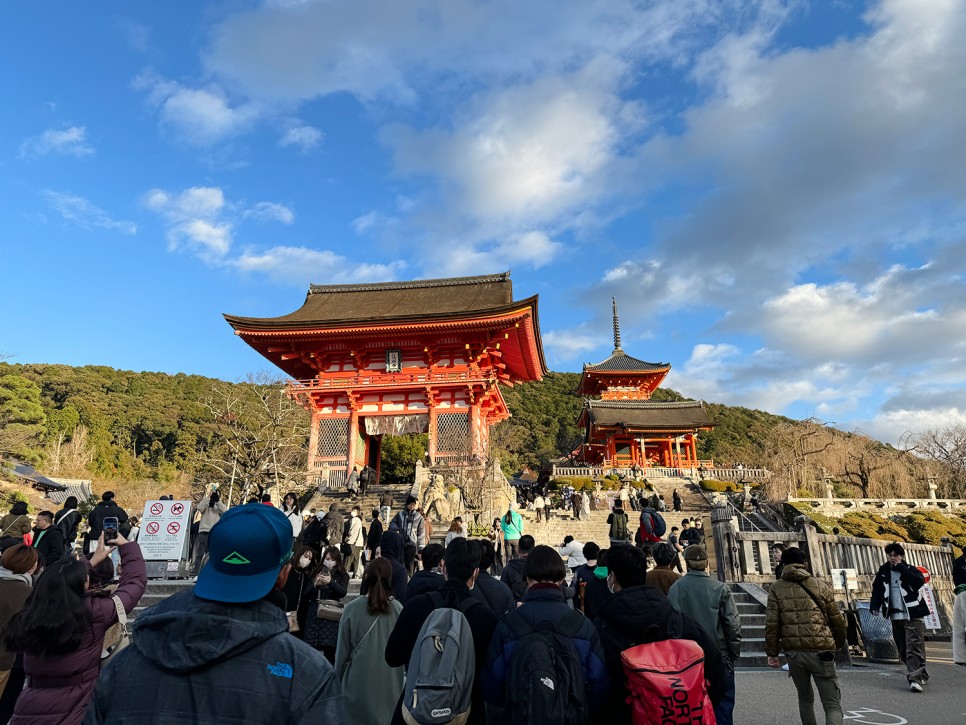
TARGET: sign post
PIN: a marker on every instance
(165, 526)
(931, 621)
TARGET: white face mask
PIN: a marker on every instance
(610, 585)
(328, 563)
(305, 561)
(319, 515)
(353, 514)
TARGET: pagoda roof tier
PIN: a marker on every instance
(647, 415)
(621, 362)
(420, 313)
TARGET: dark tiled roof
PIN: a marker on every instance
(74, 487)
(648, 414)
(620, 361)
(26, 472)
(396, 301)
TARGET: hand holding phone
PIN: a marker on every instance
(110, 529)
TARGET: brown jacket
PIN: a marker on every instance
(16, 525)
(661, 578)
(795, 622)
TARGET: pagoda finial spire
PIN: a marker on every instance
(617, 327)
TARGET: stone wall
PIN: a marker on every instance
(838, 507)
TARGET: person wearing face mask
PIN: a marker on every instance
(638, 614)
(355, 540)
(330, 582)
(299, 585)
(290, 507)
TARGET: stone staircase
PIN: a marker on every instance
(751, 602)
(320, 501)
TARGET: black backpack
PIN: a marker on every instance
(545, 680)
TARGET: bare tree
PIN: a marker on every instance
(263, 436)
(947, 447)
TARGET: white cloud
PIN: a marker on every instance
(82, 212)
(267, 211)
(302, 265)
(70, 141)
(304, 138)
(194, 220)
(200, 116)
(566, 345)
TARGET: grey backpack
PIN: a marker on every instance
(439, 679)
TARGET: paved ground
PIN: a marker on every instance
(871, 695)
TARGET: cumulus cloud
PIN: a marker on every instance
(81, 211)
(200, 116)
(302, 265)
(70, 141)
(304, 138)
(568, 345)
(194, 219)
(267, 211)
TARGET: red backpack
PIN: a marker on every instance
(666, 681)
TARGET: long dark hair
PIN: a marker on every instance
(377, 581)
(55, 616)
(70, 503)
(509, 516)
(295, 503)
(336, 555)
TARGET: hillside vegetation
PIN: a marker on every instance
(151, 432)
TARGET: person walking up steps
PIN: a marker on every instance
(804, 621)
(512, 531)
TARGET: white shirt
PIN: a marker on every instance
(574, 551)
(295, 518)
(538, 502)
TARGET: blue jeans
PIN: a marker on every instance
(725, 708)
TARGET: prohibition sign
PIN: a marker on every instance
(177, 508)
(152, 527)
(157, 508)
(174, 527)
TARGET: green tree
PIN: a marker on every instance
(398, 456)
(22, 418)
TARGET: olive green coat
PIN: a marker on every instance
(795, 622)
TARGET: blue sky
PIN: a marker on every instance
(772, 190)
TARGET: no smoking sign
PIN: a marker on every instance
(156, 509)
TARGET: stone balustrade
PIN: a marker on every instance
(745, 556)
(837, 507)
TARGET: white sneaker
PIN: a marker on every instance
(915, 687)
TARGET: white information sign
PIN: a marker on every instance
(164, 529)
(845, 577)
(932, 621)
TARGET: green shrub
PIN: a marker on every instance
(929, 527)
(823, 524)
(712, 484)
(872, 526)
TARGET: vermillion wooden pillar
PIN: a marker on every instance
(353, 437)
(432, 434)
(313, 446)
(475, 430)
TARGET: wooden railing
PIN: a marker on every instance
(386, 380)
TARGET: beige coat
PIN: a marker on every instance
(959, 629)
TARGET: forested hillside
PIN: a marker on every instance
(174, 431)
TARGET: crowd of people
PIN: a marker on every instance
(483, 630)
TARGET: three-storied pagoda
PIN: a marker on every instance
(424, 356)
(623, 427)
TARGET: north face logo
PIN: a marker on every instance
(235, 558)
(281, 669)
(548, 682)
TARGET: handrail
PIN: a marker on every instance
(734, 509)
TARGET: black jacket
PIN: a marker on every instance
(391, 548)
(375, 534)
(49, 543)
(196, 661)
(402, 641)
(512, 576)
(67, 520)
(494, 594)
(638, 615)
(103, 510)
(424, 581)
(333, 528)
(911, 581)
(959, 570)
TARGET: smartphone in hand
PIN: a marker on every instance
(110, 529)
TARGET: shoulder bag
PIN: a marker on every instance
(118, 636)
(329, 610)
(358, 646)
